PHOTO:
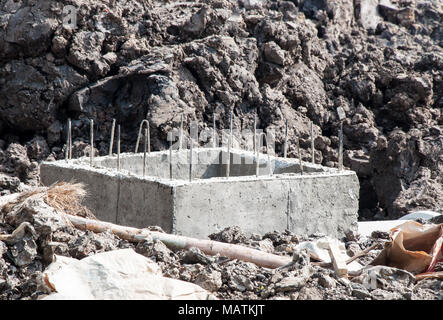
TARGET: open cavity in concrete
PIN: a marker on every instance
(321, 200)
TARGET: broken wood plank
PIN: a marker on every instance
(338, 260)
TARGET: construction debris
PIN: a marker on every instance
(42, 242)
(338, 261)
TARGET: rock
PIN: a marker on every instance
(209, 280)
(17, 160)
(290, 284)
(368, 14)
(266, 245)
(273, 53)
(380, 235)
(54, 132)
(82, 149)
(3, 249)
(352, 235)
(406, 17)
(37, 148)
(195, 255)
(352, 249)
(27, 30)
(156, 250)
(229, 235)
(361, 294)
(85, 53)
(379, 294)
(385, 278)
(44, 84)
(326, 281)
(23, 251)
(358, 161)
(309, 293)
(240, 283)
(8, 182)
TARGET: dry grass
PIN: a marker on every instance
(65, 197)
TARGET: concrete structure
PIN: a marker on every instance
(322, 200)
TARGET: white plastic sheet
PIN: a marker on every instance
(119, 274)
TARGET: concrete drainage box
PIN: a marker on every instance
(321, 200)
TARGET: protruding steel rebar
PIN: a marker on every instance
(228, 165)
(230, 129)
(340, 147)
(341, 117)
(190, 159)
(285, 150)
(312, 143)
(111, 145)
(258, 154)
(91, 153)
(255, 133)
(70, 139)
(139, 136)
(214, 144)
(144, 152)
(299, 156)
(68, 151)
(170, 159)
(180, 136)
(118, 147)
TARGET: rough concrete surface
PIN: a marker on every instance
(321, 200)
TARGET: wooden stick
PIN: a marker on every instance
(232, 251)
(429, 275)
(362, 253)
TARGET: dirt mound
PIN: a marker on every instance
(285, 60)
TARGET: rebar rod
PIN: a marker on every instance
(190, 159)
(285, 150)
(144, 152)
(68, 137)
(180, 137)
(230, 128)
(299, 156)
(258, 154)
(214, 143)
(91, 153)
(111, 145)
(139, 136)
(118, 148)
(170, 159)
(312, 144)
(228, 166)
(340, 147)
(255, 133)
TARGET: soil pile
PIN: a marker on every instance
(34, 228)
(382, 61)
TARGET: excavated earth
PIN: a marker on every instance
(27, 253)
(284, 60)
